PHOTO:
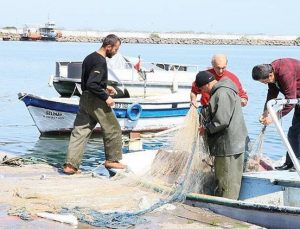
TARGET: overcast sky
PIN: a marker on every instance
(273, 17)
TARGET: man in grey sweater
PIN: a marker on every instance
(226, 132)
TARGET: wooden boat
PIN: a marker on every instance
(57, 115)
(129, 76)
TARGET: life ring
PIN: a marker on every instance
(134, 111)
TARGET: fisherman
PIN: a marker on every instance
(282, 75)
(226, 132)
(219, 65)
(95, 106)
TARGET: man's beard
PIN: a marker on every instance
(109, 54)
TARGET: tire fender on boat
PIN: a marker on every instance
(134, 111)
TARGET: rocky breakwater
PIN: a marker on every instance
(9, 36)
(171, 38)
(212, 41)
(191, 39)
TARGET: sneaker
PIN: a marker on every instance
(285, 166)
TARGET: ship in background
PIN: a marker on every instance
(47, 32)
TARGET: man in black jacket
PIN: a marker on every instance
(95, 107)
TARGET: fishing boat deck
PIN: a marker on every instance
(277, 177)
(269, 187)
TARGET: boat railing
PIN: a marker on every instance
(274, 106)
(177, 67)
(67, 69)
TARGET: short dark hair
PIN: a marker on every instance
(110, 39)
(262, 71)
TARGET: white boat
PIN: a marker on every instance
(130, 76)
(57, 115)
(269, 199)
(48, 32)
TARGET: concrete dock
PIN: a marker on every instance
(38, 188)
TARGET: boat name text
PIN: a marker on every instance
(53, 115)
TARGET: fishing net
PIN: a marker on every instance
(176, 170)
(255, 160)
(186, 163)
(182, 167)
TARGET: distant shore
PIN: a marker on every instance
(169, 38)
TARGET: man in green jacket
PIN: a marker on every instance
(226, 132)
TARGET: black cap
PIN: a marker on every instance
(204, 77)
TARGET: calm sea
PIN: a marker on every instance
(26, 67)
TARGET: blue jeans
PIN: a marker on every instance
(294, 135)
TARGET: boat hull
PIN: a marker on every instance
(262, 215)
(150, 79)
(57, 116)
(67, 87)
(268, 198)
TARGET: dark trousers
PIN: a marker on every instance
(294, 135)
(92, 110)
(228, 175)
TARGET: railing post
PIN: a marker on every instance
(286, 142)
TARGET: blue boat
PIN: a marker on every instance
(57, 115)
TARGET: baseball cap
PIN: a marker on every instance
(204, 77)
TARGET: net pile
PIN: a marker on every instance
(186, 163)
(182, 167)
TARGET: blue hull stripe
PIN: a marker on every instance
(120, 113)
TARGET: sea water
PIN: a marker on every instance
(27, 66)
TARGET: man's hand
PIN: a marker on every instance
(201, 130)
(244, 102)
(265, 119)
(111, 91)
(193, 98)
(110, 102)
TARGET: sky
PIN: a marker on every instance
(271, 17)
